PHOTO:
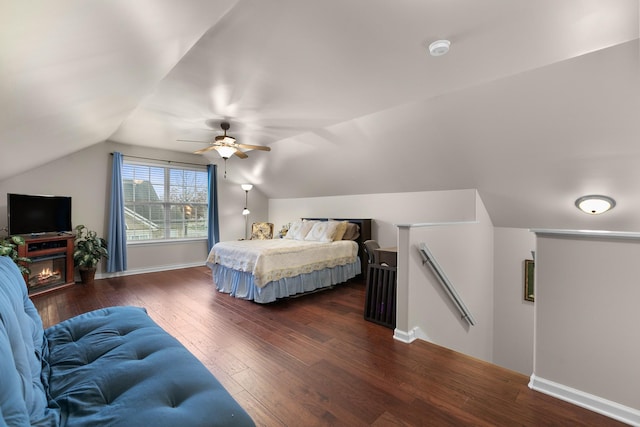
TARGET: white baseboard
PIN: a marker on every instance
(148, 270)
(594, 403)
(410, 336)
(403, 336)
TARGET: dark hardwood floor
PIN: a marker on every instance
(314, 361)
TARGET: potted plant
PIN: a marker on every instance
(89, 249)
(8, 247)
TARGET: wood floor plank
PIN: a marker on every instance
(315, 361)
(261, 415)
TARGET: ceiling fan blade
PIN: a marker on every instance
(204, 150)
(192, 140)
(254, 147)
(240, 154)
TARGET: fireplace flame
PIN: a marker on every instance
(47, 274)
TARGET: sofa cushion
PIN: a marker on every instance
(117, 367)
(21, 342)
(13, 410)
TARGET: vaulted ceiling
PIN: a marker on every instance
(536, 104)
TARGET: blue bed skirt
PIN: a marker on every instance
(240, 284)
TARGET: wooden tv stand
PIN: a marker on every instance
(42, 248)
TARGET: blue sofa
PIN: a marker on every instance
(109, 367)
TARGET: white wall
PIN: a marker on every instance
(513, 316)
(386, 209)
(465, 253)
(586, 319)
(85, 176)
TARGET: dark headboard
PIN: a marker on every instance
(365, 234)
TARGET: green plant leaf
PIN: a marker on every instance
(89, 248)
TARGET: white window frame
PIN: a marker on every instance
(166, 202)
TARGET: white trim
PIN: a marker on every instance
(588, 233)
(436, 224)
(411, 336)
(594, 403)
(154, 269)
(405, 337)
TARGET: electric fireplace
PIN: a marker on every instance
(51, 265)
(47, 272)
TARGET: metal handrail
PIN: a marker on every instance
(427, 258)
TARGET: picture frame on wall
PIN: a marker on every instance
(529, 293)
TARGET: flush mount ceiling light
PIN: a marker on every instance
(439, 47)
(594, 204)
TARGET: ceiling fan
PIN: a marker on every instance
(226, 145)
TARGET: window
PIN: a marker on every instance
(164, 202)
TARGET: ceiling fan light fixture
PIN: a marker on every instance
(225, 152)
(439, 47)
(595, 204)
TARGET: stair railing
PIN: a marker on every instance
(427, 258)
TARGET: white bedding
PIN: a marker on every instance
(274, 259)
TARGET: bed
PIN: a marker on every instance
(308, 259)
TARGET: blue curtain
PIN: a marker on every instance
(117, 238)
(213, 236)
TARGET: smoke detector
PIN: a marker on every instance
(439, 47)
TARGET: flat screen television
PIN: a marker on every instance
(31, 214)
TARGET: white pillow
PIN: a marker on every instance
(323, 231)
(294, 229)
(299, 229)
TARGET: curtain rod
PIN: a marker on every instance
(162, 160)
